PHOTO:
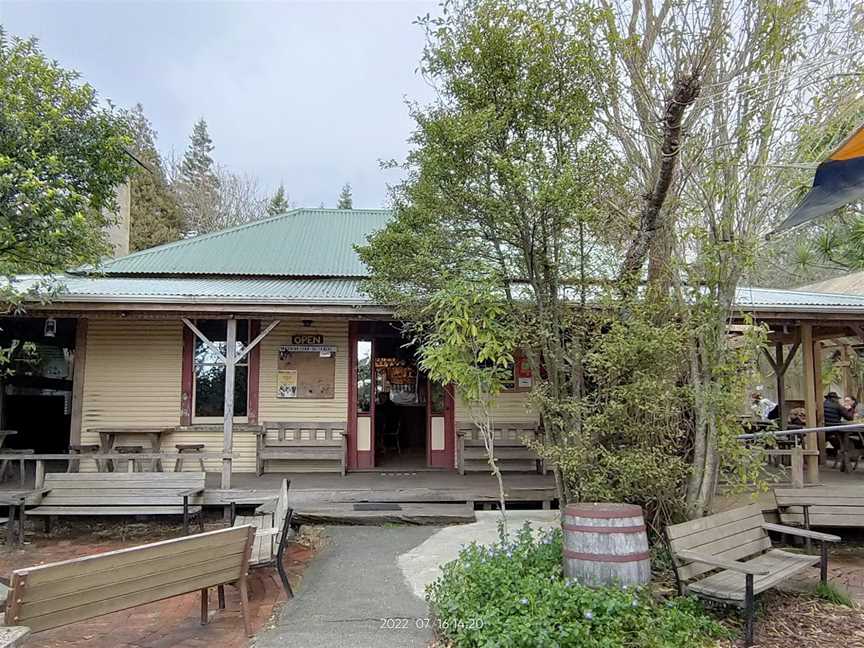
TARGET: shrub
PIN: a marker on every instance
(513, 594)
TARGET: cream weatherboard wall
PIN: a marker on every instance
(510, 407)
(131, 376)
(272, 408)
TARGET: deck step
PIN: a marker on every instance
(386, 513)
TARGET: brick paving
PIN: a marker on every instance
(172, 623)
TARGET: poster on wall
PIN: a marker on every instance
(287, 383)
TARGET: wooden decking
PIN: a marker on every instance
(386, 497)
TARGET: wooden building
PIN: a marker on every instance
(147, 341)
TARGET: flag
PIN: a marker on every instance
(839, 181)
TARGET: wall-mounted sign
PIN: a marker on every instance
(307, 348)
(308, 338)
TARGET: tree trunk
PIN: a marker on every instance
(685, 92)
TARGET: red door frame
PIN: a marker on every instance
(444, 459)
(356, 458)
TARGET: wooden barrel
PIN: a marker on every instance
(605, 544)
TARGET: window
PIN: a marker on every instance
(364, 376)
(209, 372)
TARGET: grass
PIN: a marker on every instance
(832, 594)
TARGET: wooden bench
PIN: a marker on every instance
(272, 524)
(728, 558)
(512, 453)
(821, 506)
(61, 593)
(308, 447)
(121, 494)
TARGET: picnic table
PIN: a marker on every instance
(152, 435)
(844, 432)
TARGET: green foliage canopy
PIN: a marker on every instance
(62, 155)
(156, 216)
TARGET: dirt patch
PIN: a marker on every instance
(794, 620)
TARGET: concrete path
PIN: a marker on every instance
(421, 564)
(353, 595)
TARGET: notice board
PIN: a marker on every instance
(306, 371)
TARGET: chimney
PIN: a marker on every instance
(118, 231)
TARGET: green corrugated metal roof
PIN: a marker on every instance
(298, 243)
(70, 288)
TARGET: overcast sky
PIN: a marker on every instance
(312, 94)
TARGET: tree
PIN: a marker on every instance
(156, 216)
(279, 203)
(197, 182)
(346, 201)
(467, 341)
(506, 185)
(760, 66)
(62, 156)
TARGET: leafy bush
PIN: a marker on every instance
(513, 594)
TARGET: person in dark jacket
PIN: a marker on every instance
(835, 413)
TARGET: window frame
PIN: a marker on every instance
(245, 362)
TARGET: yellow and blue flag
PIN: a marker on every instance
(839, 181)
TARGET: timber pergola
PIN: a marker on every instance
(806, 333)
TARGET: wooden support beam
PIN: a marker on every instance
(255, 342)
(78, 362)
(790, 357)
(811, 402)
(771, 361)
(205, 340)
(779, 366)
(228, 420)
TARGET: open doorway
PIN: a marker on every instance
(397, 419)
(400, 407)
(36, 394)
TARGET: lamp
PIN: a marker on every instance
(50, 327)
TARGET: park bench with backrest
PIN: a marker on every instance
(58, 594)
(821, 506)
(314, 446)
(272, 523)
(64, 494)
(728, 558)
(510, 448)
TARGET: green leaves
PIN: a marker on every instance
(513, 594)
(466, 339)
(62, 155)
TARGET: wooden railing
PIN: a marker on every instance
(797, 453)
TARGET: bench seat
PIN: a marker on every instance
(312, 446)
(821, 506)
(727, 586)
(82, 494)
(58, 594)
(728, 558)
(511, 452)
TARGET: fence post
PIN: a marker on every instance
(797, 464)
